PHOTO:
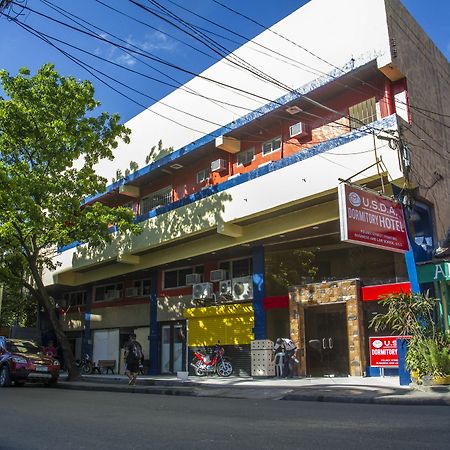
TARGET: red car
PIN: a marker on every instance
(24, 361)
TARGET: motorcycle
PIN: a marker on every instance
(85, 364)
(205, 364)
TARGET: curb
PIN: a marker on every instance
(240, 393)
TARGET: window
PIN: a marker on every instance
(108, 292)
(237, 267)
(202, 176)
(245, 157)
(177, 278)
(271, 146)
(159, 198)
(139, 288)
(362, 113)
(76, 298)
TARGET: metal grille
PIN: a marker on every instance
(362, 113)
(160, 198)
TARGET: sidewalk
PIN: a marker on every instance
(347, 390)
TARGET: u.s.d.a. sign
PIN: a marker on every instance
(371, 219)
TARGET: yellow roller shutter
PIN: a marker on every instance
(229, 324)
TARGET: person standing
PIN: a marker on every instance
(288, 347)
(134, 356)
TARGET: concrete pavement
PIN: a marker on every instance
(374, 390)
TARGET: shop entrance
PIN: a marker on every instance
(326, 340)
(173, 347)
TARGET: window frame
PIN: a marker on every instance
(271, 142)
(200, 269)
(107, 285)
(245, 152)
(230, 270)
(203, 175)
(361, 118)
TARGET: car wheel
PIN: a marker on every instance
(5, 378)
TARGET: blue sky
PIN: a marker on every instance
(19, 48)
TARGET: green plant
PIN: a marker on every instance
(437, 358)
(407, 314)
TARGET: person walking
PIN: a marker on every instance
(288, 347)
(134, 356)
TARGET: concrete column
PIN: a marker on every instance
(154, 329)
(87, 340)
(259, 329)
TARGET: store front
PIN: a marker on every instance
(230, 325)
(326, 322)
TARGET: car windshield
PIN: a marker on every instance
(22, 347)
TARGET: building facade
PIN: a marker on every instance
(240, 224)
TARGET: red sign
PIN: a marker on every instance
(371, 219)
(383, 351)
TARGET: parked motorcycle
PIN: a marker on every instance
(85, 364)
(204, 364)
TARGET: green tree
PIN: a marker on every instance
(50, 142)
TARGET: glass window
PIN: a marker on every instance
(108, 292)
(245, 157)
(202, 176)
(237, 267)
(362, 113)
(177, 278)
(271, 146)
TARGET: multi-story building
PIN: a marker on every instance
(245, 212)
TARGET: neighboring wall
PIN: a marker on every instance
(428, 76)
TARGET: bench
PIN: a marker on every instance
(105, 365)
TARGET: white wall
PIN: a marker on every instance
(335, 30)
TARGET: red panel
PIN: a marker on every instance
(281, 301)
(373, 293)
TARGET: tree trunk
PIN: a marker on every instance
(43, 299)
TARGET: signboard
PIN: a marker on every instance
(428, 273)
(383, 351)
(371, 219)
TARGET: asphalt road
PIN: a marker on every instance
(35, 417)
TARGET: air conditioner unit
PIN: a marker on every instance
(132, 292)
(225, 287)
(298, 130)
(111, 295)
(217, 275)
(218, 165)
(193, 278)
(201, 291)
(242, 288)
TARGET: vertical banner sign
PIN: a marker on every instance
(371, 219)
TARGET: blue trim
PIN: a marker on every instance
(295, 94)
(259, 329)
(275, 165)
(154, 329)
(412, 269)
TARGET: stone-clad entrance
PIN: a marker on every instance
(326, 323)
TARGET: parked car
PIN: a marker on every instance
(24, 361)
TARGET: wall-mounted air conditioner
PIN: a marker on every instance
(225, 287)
(217, 275)
(242, 288)
(298, 130)
(193, 278)
(219, 165)
(201, 291)
(132, 292)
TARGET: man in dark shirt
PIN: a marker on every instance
(134, 356)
